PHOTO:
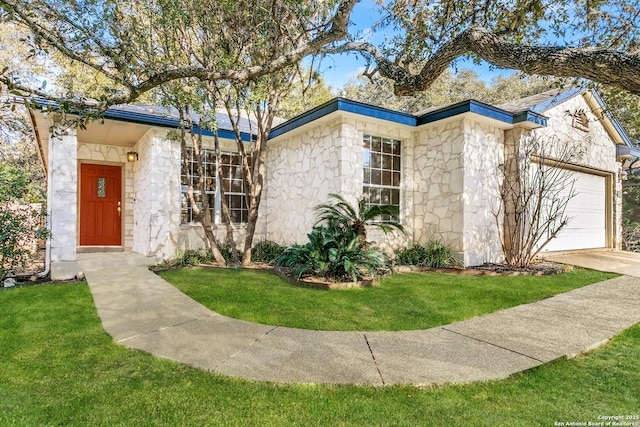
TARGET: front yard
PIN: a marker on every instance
(398, 302)
(58, 367)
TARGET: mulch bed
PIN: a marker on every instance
(542, 268)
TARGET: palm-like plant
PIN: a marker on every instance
(382, 216)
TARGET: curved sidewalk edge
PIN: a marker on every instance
(144, 312)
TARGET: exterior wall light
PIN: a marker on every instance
(132, 156)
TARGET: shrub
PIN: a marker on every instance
(630, 236)
(267, 251)
(229, 255)
(434, 254)
(333, 252)
(21, 224)
(193, 257)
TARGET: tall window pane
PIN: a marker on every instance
(231, 181)
(381, 171)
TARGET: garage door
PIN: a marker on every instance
(587, 227)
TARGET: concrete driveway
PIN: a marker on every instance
(621, 262)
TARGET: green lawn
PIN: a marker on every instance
(399, 302)
(58, 367)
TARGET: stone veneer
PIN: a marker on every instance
(456, 185)
(156, 184)
(62, 182)
(449, 185)
(305, 166)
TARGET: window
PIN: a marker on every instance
(234, 188)
(231, 180)
(381, 171)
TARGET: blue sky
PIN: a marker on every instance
(338, 69)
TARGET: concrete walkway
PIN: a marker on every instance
(621, 262)
(142, 311)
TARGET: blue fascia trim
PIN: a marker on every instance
(480, 108)
(376, 112)
(346, 105)
(304, 118)
(531, 117)
(155, 120)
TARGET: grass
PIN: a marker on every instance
(58, 367)
(399, 302)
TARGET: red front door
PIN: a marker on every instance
(100, 205)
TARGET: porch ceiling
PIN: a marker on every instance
(112, 132)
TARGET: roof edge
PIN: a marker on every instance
(346, 105)
(115, 113)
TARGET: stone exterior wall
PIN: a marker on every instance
(304, 167)
(63, 198)
(156, 183)
(456, 185)
(483, 155)
(593, 148)
(438, 192)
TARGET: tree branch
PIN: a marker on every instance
(605, 66)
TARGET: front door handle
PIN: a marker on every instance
(119, 208)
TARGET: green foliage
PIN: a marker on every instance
(230, 255)
(630, 235)
(308, 90)
(13, 183)
(434, 254)
(449, 88)
(267, 251)
(21, 224)
(357, 219)
(188, 257)
(334, 252)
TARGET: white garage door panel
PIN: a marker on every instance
(587, 211)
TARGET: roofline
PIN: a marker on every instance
(367, 110)
(482, 109)
(346, 105)
(155, 120)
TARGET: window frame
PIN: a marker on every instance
(382, 170)
(216, 206)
